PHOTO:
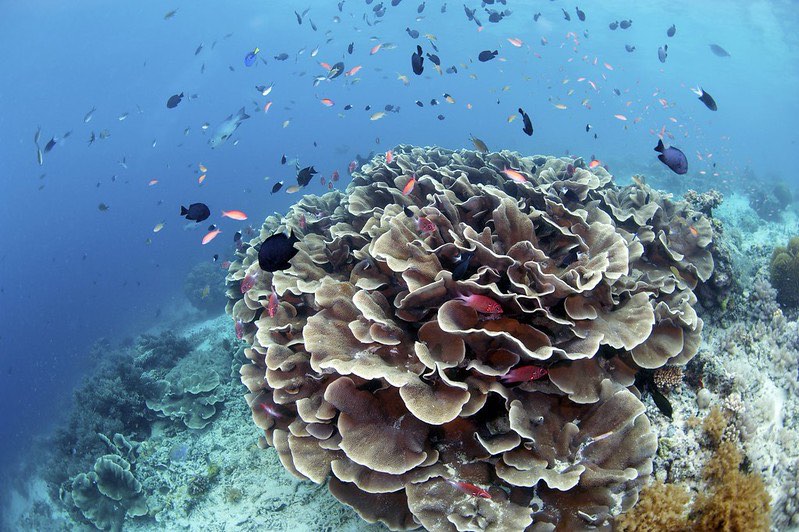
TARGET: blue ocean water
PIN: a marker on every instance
(71, 273)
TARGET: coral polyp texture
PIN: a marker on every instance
(458, 352)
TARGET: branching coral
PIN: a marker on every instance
(458, 356)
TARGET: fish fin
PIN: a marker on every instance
(660, 148)
(183, 211)
(662, 158)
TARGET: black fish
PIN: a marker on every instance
(528, 125)
(587, 128)
(283, 159)
(629, 47)
(624, 24)
(661, 402)
(51, 144)
(276, 252)
(305, 175)
(536, 17)
(196, 211)
(420, 8)
(434, 59)
(469, 13)
(487, 55)
(216, 257)
(237, 236)
(417, 61)
(433, 102)
(340, 7)
(673, 158)
(336, 70)
(299, 18)
(174, 100)
(706, 99)
(663, 53)
(441, 117)
(494, 16)
(459, 271)
(671, 31)
(444, 8)
(719, 51)
(211, 227)
(349, 48)
(565, 14)
(277, 186)
(419, 103)
(395, 3)
(408, 212)
(613, 25)
(282, 56)
(413, 33)
(348, 107)
(452, 70)
(580, 14)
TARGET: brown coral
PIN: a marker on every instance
(383, 369)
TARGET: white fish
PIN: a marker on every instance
(122, 117)
(88, 117)
(227, 127)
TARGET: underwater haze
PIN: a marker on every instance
(96, 164)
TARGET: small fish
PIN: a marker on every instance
(199, 49)
(250, 58)
(515, 42)
(271, 307)
(620, 117)
(528, 125)
(624, 24)
(277, 186)
(580, 14)
(248, 282)
(276, 252)
(239, 329)
(417, 61)
(566, 14)
(524, 374)
(293, 189)
(671, 31)
(158, 227)
(228, 126)
(354, 70)
(487, 55)
(174, 100)
(479, 145)
(630, 48)
(663, 53)
(389, 156)
(39, 156)
(103, 207)
(704, 97)
(210, 236)
(460, 269)
(613, 25)
(673, 158)
(327, 102)
(305, 175)
(196, 211)
(50, 145)
(234, 215)
(170, 14)
(469, 489)
(719, 51)
(88, 116)
(425, 226)
(376, 48)
(409, 186)
(514, 175)
(378, 115)
(122, 117)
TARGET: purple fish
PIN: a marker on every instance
(673, 158)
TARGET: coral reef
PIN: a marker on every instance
(204, 287)
(769, 201)
(704, 202)
(458, 355)
(662, 507)
(784, 269)
(190, 398)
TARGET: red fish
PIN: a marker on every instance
(271, 307)
(303, 222)
(408, 188)
(482, 304)
(515, 175)
(468, 488)
(334, 177)
(524, 374)
(424, 225)
(389, 156)
(248, 282)
(239, 329)
(225, 265)
(327, 102)
(353, 165)
(354, 70)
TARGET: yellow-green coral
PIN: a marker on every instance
(661, 507)
(784, 269)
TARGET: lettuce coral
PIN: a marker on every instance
(381, 366)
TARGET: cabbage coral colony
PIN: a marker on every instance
(459, 354)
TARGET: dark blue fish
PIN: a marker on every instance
(528, 125)
(706, 99)
(277, 186)
(629, 47)
(196, 211)
(417, 61)
(174, 100)
(487, 55)
(580, 14)
(671, 31)
(276, 252)
(624, 24)
(305, 175)
(412, 33)
(672, 157)
(459, 271)
(565, 14)
(613, 25)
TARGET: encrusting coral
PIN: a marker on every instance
(453, 343)
(784, 270)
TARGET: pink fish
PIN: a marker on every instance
(248, 282)
(210, 236)
(239, 329)
(302, 221)
(335, 176)
(389, 156)
(271, 410)
(524, 374)
(424, 225)
(468, 488)
(353, 165)
(225, 265)
(482, 304)
(408, 188)
(271, 307)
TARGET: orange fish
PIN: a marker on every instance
(210, 236)
(271, 307)
(515, 42)
(327, 102)
(409, 186)
(515, 175)
(469, 489)
(267, 106)
(389, 156)
(203, 169)
(324, 65)
(235, 215)
(594, 163)
(354, 70)
(375, 49)
(621, 117)
(152, 182)
(201, 179)
(693, 230)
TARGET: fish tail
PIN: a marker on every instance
(183, 211)
(660, 148)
